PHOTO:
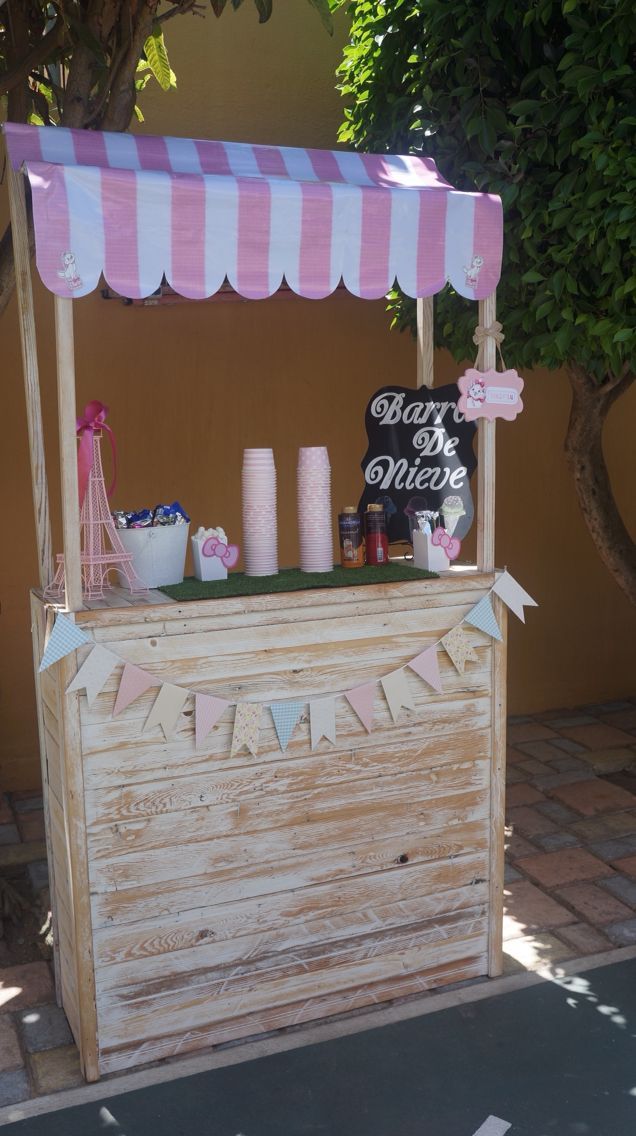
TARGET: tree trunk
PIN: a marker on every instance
(586, 461)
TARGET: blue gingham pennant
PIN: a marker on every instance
(64, 638)
(285, 715)
(482, 617)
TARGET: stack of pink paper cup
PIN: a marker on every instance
(314, 509)
(260, 531)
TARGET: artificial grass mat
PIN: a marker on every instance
(293, 580)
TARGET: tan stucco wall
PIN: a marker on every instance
(189, 386)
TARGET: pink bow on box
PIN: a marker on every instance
(451, 544)
(93, 419)
(228, 554)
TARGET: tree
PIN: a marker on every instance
(83, 63)
(535, 102)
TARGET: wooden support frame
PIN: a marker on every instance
(497, 791)
(65, 355)
(425, 342)
(28, 343)
(486, 470)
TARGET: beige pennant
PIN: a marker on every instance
(322, 720)
(397, 693)
(459, 649)
(166, 710)
(94, 673)
(247, 722)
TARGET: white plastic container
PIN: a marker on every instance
(158, 553)
(206, 567)
(428, 555)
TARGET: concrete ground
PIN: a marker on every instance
(570, 880)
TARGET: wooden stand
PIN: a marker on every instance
(202, 898)
(199, 898)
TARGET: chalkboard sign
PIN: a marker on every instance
(420, 456)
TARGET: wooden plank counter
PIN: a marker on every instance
(200, 898)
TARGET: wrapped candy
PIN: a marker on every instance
(173, 514)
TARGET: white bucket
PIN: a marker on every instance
(158, 553)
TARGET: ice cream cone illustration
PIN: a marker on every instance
(452, 509)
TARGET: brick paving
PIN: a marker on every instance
(570, 883)
(570, 834)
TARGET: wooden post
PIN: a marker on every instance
(486, 450)
(75, 832)
(24, 291)
(425, 342)
(497, 793)
(65, 353)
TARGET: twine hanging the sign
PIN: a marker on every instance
(495, 331)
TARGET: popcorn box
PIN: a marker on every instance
(206, 567)
(428, 555)
(158, 553)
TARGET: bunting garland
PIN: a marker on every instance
(99, 664)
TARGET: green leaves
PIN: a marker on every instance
(539, 107)
(157, 60)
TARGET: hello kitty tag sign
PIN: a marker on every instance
(490, 394)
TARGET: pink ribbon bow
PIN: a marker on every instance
(227, 553)
(450, 544)
(93, 419)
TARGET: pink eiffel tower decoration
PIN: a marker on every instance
(102, 550)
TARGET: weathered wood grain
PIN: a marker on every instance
(339, 804)
(497, 794)
(324, 969)
(280, 608)
(49, 753)
(28, 344)
(115, 1058)
(228, 932)
(342, 827)
(67, 417)
(257, 953)
(457, 829)
(224, 783)
(75, 831)
(128, 755)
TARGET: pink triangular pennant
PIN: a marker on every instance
(133, 682)
(361, 699)
(427, 667)
(207, 711)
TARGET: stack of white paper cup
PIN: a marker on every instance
(260, 530)
(314, 509)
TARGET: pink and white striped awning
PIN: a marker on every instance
(136, 208)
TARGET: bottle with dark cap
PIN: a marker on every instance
(350, 533)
